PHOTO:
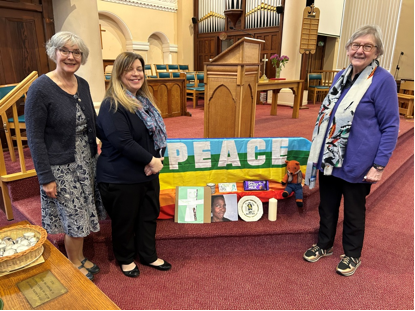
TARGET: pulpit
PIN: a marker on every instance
(230, 92)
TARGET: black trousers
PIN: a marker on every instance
(133, 209)
(331, 191)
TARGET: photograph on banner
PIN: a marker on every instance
(224, 208)
(192, 205)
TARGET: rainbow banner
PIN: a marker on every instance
(196, 162)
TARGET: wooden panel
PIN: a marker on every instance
(22, 43)
(271, 46)
(249, 110)
(206, 50)
(222, 114)
(170, 96)
(176, 100)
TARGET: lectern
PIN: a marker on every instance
(230, 93)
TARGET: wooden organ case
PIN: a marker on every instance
(221, 23)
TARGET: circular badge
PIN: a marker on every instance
(250, 208)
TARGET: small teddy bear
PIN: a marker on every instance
(293, 179)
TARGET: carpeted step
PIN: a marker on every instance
(291, 219)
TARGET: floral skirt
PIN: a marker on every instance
(78, 205)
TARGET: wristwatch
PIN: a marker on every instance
(378, 167)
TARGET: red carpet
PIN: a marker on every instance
(246, 265)
(268, 272)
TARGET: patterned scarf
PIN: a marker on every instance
(152, 119)
(335, 138)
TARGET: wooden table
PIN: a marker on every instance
(296, 86)
(82, 294)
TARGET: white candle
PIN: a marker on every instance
(272, 209)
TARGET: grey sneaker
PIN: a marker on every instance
(314, 253)
(348, 265)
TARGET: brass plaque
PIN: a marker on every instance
(41, 288)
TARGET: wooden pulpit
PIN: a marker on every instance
(230, 93)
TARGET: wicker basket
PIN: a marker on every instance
(19, 260)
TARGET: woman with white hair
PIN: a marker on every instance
(60, 122)
(354, 137)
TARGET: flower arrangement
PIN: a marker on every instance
(279, 61)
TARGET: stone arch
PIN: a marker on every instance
(122, 27)
(166, 47)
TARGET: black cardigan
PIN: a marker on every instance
(127, 146)
(50, 116)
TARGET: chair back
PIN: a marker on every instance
(5, 89)
(175, 74)
(148, 70)
(184, 68)
(172, 67)
(406, 87)
(200, 76)
(327, 76)
(313, 79)
(161, 67)
(163, 75)
(108, 69)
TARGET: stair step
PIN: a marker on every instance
(291, 219)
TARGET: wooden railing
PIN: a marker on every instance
(327, 76)
(6, 103)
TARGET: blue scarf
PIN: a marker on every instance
(152, 119)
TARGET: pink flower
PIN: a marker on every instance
(279, 61)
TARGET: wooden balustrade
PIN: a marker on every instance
(6, 103)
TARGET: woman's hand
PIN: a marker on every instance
(50, 189)
(154, 166)
(373, 175)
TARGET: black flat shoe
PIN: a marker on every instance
(132, 273)
(89, 275)
(164, 267)
(94, 269)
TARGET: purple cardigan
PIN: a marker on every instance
(374, 130)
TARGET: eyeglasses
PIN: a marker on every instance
(366, 47)
(75, 53)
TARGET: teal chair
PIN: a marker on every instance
(148, 68)
(200, 77)
(175, 74)
(184, 68)
(194, 90)
(163, 75)
(160, 68)
(172, 67)
(8, 123)
(315, 87)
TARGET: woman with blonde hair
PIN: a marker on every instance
(133, 138)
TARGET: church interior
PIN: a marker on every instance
(247, 71)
